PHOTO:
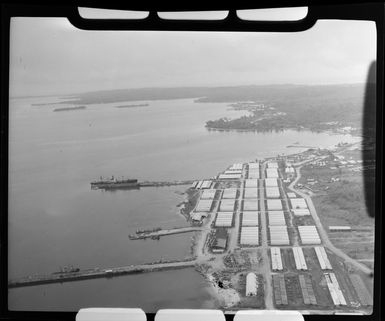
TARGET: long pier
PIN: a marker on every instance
(164, 183)
(157, 234)
(99, 273)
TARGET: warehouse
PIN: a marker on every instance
(229, 176)
(224, 219)
(291, 195)
(227, 205)
(249, 235)
(220, 240)
(250, 218)
(250, 183)
(279, 235)
(250, 205)
(298, 203)
(301, 212)
(271, 182)
(232, 172)
(251, 193)
(253, 174)
(204, 206)
(253, 166)
(272, 192)
(334, 289)
(289, 170)
(276, 259)
(272, 173)
(299, 258)
(309, 234)
(272, 165)
(323, 258)
(229, 193)
(251, 284)
(275, 205)
(340, 228)
(197, 217)
(208, 194)
(236, 167)
(276, 218)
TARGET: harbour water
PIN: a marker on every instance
(56, 220)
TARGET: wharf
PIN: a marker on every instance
(100, 273)
(164, 183)
(157, 234)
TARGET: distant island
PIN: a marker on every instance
(337, 108)
(70, 108)
(132, 106)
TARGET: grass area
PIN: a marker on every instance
(344, 202)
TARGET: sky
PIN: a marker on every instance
(48, 56)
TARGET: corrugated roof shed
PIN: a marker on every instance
(251, 192)
(227, 205)
(250, 183)
(250, 205)
(272, 192)
(271, 182)
(229, 193)
(251, 284)
(274, 204)
(250, 218)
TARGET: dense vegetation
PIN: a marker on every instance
(298, 106)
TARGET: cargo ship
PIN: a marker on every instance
(113, 183)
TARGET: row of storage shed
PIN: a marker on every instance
(309, 234)
(249, 235)
(276, 259)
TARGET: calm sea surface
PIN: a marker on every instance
(56, 220)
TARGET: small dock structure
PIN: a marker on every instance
(322, 258)
(309, 234)
(276, 259)
(299, 258)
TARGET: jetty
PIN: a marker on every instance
(100, 273)
(164, 183)
(157, 234)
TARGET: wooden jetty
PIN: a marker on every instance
(99, 273)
